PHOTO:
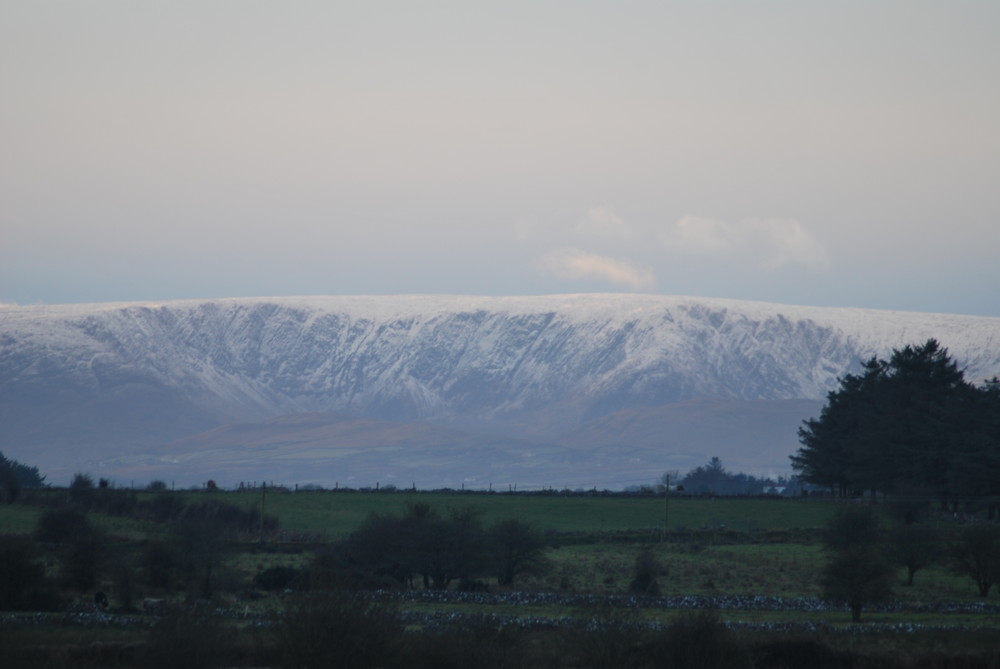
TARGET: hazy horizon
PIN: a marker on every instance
(842, 155)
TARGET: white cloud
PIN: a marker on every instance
(770, 243)
(603, 222)
(701, 236)
(573, 264)
(600, 224)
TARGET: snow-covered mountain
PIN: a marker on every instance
(91, 383)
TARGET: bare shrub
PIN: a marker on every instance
(80, 546)
(276, 578)
(914, 547)
(976, 554)
(22, 575)
(477, 641)
(158, 561)
(800, 652)
(339, 629)
(183, 639)
(700, 639)
(515, 548)
(606, 637)
(647, 568)
(81, 489)
(858, 577)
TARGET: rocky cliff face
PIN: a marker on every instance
(93, 382)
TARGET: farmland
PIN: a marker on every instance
(338, 513)
(755, 561)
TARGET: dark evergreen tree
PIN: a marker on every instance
(924, 409)
(14, 476)
(10, 486)
(713, 478)
(974, 470)
(706, 478)
(831, 442)
(908, 423)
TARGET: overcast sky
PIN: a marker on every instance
(825, 153)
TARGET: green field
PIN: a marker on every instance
(18, 519)
(720, 546)
(335, 514)
(714, 548)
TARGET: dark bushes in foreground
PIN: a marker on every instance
(345, 629)
(339, 629)
(700, 639)
(334, 630)
(23, 585)
(476, 641)
(183, 639)
(79, 545)
(277, 578)
(618, 638)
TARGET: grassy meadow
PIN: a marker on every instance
(714, 548)
(334, 514)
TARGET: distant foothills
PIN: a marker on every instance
(711, 478)
(562, 391)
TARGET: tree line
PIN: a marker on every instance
(433, 549)
(68, 554)
(713, 478)
(909, 426)
(860, 553)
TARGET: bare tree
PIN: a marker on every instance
(914, 547)
(858, 577)
(515, 548)
(856, 571)
(647, 568)
(976, 554)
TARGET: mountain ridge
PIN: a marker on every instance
(85, 384)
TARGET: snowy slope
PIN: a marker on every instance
(102, 379)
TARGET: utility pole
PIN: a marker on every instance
(666, 505)
(263, 492)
